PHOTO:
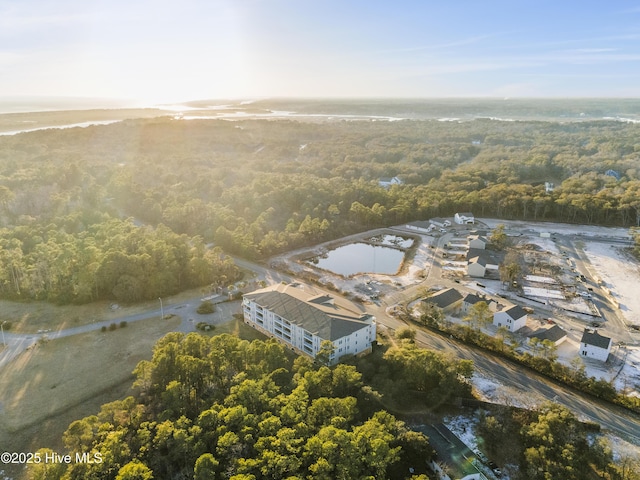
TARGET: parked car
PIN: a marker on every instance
(495, 468)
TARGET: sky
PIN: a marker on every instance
(173, 51)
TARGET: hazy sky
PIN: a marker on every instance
(168, 50)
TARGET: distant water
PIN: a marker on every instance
(451, 110)
(53, 104)
(466, 109)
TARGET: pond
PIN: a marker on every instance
(360, 258)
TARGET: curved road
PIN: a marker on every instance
(509, 374)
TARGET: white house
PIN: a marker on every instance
(420, 226)
(386, 182)
(593, 345)
(465, 218)
(477, 266)
(440, 222)
(471, 299)
(514, 318)
(303, 317)
(477, 241)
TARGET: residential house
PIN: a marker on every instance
(477, 241)
(613, 173)
(420, 226)
(465, 218)
(554, 334)
(477, 266)
(480, 261)
(386, 182)
(514, 318)
(593, 345)
(302, 318)
(471, 299)
(448, 299)
(440, 222)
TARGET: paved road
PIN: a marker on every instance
(509, 374)
(17, 343)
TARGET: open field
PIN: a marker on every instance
(61, 375)
(49, 386)
(34, 316)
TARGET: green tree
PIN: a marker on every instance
(206, 467)
(499, 238)
(135, 470)
(406, 333)
(325, 355)
(479, 315)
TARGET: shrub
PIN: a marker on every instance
(112, 327)
(123, 323)
(104, 328)
(206, 307)
(204, 326)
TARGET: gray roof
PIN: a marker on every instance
(478, 237)
(478, 255)
(320, 315)
(421, 224)
(479, 259)
(592, 337)
(554, 334)
(444, 298)
(472, 299)
(515, 312)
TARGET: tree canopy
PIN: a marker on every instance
(255, 188)
(222, 407)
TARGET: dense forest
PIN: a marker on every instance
(220, 407)
(258, 187)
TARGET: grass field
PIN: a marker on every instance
(52, 384)
(33, 316)
(54, 376)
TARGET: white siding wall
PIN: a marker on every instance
(591, 351)
(303, 340)
(475, 270)
(502, 319)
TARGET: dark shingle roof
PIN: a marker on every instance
(592, 337)
(444, 298)
(515, 312)
(472, 299)
(554, 334)
(319, 315)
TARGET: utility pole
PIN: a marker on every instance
(2, 329)
(161, 310)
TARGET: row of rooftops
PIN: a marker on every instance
(448, 297)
